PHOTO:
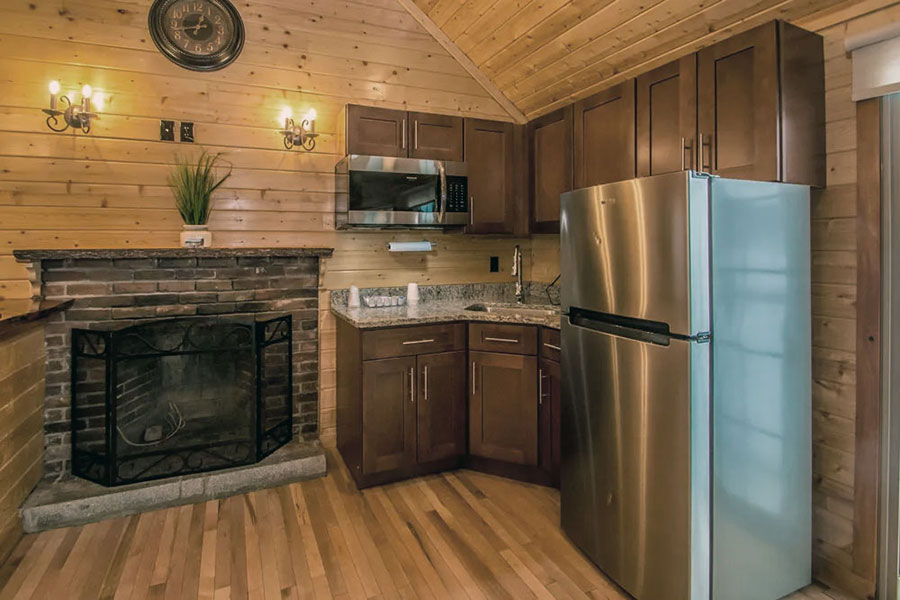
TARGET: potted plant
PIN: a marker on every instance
(193, 186)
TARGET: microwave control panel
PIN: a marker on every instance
(457, 194)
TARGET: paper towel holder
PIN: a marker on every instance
(423, 246)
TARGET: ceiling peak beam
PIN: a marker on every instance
(465, 62)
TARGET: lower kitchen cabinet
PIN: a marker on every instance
(408, 396)
(441, 406)
(389, 414)
(403, 413)
(549, 389)
(503, 407)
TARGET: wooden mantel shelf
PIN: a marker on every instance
(100, 253)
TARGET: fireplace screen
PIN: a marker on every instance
(179, 396)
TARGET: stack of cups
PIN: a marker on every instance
(412, 293)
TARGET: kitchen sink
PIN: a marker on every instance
(520, 310)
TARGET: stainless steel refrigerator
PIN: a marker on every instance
(686, 411)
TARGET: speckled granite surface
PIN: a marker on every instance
(447, 303)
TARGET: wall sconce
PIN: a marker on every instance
(304, 134)
(74, 115)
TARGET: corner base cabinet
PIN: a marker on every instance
(408, 396)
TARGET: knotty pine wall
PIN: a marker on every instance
(833, 302)
(22, 364)
(108, 188)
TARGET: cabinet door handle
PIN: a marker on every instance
(473, 377)
(425, 391)
(416, 134)
(682, 153)
(552, 347)
(403, 134)
(413, 342)
(501, 340)
(412, 384)
(540, 387)
(471, 210)
(700, 154)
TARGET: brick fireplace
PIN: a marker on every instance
(114, 289)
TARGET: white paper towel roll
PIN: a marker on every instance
(423, 246)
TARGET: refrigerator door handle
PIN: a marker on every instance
(642, 331)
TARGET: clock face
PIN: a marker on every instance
(202, 35)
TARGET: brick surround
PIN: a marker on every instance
(117, 292)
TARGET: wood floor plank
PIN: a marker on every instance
(206, 586)
(461, 535)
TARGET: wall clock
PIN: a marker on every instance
(201, 35)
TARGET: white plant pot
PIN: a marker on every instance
(196, 236)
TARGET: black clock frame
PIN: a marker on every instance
(211, 62)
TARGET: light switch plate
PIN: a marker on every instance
(167, 131)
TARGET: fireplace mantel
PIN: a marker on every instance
(134, 253)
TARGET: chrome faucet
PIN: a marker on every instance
(517, 273)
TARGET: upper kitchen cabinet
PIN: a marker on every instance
(490, 163)
(438, 137)
(667, 118)
(376, 131)
(761, 106)
(384, 132)
(604, 136)
(550, 157)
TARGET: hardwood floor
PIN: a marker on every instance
(455, 535)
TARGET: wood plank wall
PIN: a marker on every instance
(108, 189)
(834, 259)
(22, 363)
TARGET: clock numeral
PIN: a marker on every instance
(186, 42)
(177, 35)
(209, 47)
(198, 48)
(220, 29)
(177, 14)
(218, 19)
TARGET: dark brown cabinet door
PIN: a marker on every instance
(376, 131)
(604, 136)
(738, 106)
(438, 137)
(503, 407)
(549, 378)
(441, 422)
(550, 155)
(490, 161)
(667, 118)
(389, 414)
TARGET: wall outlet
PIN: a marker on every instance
(187, 131)
(495, 264)
(167, 131)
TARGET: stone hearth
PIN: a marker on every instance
(117, 288)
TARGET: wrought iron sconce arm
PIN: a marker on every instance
(301, 135)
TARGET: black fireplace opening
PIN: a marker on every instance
(179, 396)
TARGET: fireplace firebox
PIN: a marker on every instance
(179, 396)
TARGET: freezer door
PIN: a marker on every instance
(634, 248)
(626, 459)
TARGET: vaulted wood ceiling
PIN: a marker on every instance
(542, 54)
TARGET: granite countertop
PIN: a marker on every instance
(101, 253)
(16, 312)
(447, 303)
(435, 312)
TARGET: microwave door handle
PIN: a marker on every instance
(443, 199)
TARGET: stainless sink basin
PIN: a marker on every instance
(514, 310)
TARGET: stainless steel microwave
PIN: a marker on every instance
(383, 191)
